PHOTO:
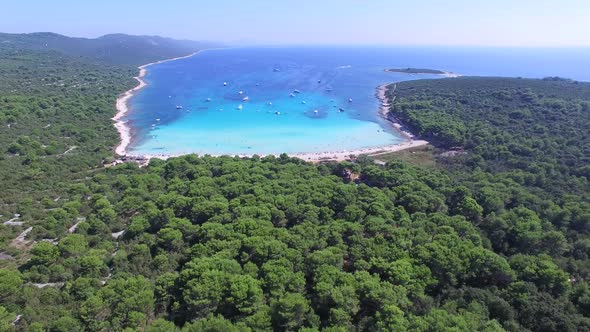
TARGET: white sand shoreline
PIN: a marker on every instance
(123, 109)
(307, 156)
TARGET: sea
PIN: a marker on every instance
(272, 100)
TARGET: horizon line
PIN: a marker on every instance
(308, 44)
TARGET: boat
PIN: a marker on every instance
(224, 83)
(278, 113)
(340, 109)
(270, 103)
(157, 119)
(315, 111)
(178, 107)
(208, 99)
(350, 100)
(291, 95)
(245, 98)
(276, 70)
(319, 81)
(303, 102)
(241, 92)
(240, 106)
(296, 91)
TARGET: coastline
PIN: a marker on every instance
(305, 156)
(123, 109)
(384, 109)
(342, 155)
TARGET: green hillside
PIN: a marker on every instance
(112, 49)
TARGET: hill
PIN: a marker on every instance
(112, 49)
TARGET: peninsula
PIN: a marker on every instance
(416, 71)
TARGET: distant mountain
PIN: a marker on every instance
(114, 48)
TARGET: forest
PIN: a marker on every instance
(494, 237)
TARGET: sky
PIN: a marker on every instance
(527, 23)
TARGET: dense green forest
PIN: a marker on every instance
(493, 237)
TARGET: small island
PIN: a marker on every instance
(416, 71)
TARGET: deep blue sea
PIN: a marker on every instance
(303, 99)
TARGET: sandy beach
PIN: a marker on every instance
(122, 107)
(309, 156)
(384, 110)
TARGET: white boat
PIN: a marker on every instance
(303, 102)
(350, 100)
(246, 98)
(178, 107)
(208, 99)
(224, 83)
(278, 113)
(270, 103)
(157, 119)
(315, 111)
(296, 91)
(241, 92)
(240, 106)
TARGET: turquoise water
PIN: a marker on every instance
(319, 116)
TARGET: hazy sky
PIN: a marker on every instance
(397, 22)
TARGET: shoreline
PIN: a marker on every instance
(123, 108)
(384, 110)
(314, 157)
